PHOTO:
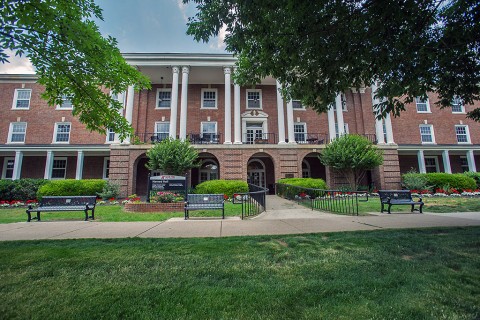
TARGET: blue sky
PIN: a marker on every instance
(142, 26)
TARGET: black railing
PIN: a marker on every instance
(344, 202)
(205, 138)
(253, 202)
(311, 138)
(259, 138)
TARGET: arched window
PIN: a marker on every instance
(306, 169)
(208, 170)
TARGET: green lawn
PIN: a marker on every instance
(389, 274)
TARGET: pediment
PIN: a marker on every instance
(254, 114)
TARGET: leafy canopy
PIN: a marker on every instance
(352, 155)
(71, 57)
(172, 156)
(323, 47)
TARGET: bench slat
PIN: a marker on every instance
(398, 197)
(204, 201)
(66, 203)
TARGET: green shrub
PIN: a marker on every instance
(457, 181)
(305, 182)
(70, 187)
(227, 187)
(22, 189)
(415, 181)
(6, 188)
(290, 188)
(475, 176)
(110, 190)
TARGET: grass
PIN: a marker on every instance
(389, 274)
(115, 213)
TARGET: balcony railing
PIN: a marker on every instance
(311, 138)
(259, 138)
(205, 138)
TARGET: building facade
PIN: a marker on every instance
(248, 133)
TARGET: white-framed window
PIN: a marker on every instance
(457, 105)
(343, 98)
(209, 99)
(464, 164)
(162, 130)
(463, 135)
(21, 99)
(8, 164)
(164, 97)
(254, 99)
(59, 168)
(106, 167)
(300, 131)
(17, 132)
(208, 170)
(422, 105)
(209, 131)
(110, 135)
(426, 133)
(66, 104)
(297, 105)
(62, 132)
(431, 164)
(345, 127)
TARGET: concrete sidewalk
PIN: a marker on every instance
(282, 217)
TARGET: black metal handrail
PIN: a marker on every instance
(311, 138)
(253, 202)
(339, 201)
(259, 138)
(205, 138)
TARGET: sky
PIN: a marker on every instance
(141, 26)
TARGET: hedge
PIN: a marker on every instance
(475, 176)
(305, 182)
(71, 187)
(435, 181)
(227, 187)
(290, 188)
(21, 189)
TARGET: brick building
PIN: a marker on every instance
(246, 133)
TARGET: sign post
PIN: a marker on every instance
(166, 183)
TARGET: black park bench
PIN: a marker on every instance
(398, 197)
(204, 202)
(67, 203)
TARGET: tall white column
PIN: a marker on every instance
(174, 103)
(291, 133)
(129, 108)
(184, 103)
(331, 123)
(79, 172)
(48, 165)
(421, 161)
(389, 129)
(228, 106)
(236, 111)
(280, 115)
(446, 162)
(17, 166)
(378, 122)
(471, 161)
(340, 123)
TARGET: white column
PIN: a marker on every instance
(129, 108)
(421, 161)
(174, 103)
(184, 103)
(48, 165)
(331, 123)
(228, 106)
(446, 162)
(378, 122)
(389, 129)
(80, 158)
(471, 161)
(291, 133)
(280, 115)
(340, 123)
(237, 119)
(17, 166)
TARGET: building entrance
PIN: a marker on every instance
(256, 173)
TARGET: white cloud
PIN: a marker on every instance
(183, 9)
(17, 65)
(220, 43)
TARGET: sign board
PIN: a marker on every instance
(170, 183)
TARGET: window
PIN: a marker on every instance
(164, 96)
(254, 99)
(66, 103)
(110, 135)
(300, 131)
(106, 167)
(431, 164)
(305, 169)
(462, 134)
(209, 132)
(344, 103)
(422, 104)
(62, 132)
(162, 131)
(464, 164)
(457, 105)
(426, 133)
(7, 172)
(208, 170)
(297, 105)
(209, 98)
(21, 99)
(17, 132)
(345, 127)
(59, 168)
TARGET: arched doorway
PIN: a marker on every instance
(141, 175)
(209, 169)
(261, 171)
(312, 167)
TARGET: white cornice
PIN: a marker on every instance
(180, 59)
(18, 78)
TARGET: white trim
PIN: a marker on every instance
(462, 106)
(304, 124)
(55, 133)
(53, 168)
(200, 170)
(467, 133)
(15, 98)
(260, 107)
(59, 106)
(157, 98)
(437, 167)
(105, 161)
(298, 109)
(202, 98)
(264, 170)
(427, 102)
(109, 131)
(432, 133)
(5, 163)
(10, 132)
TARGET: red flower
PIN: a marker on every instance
(225, 197)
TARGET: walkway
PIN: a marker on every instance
(282, 217)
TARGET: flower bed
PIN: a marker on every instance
(154, 207)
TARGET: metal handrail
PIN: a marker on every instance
(253, 202)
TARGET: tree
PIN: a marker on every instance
(71, 57)
(352, 155)
(320, 48)
(172, 156)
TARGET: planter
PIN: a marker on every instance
(154, 207)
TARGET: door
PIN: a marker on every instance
(256, 173)
(254, 132)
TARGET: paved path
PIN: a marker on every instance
(282, 217)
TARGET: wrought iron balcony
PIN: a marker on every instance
(205, 138)
(311, 138)
(259, 138)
